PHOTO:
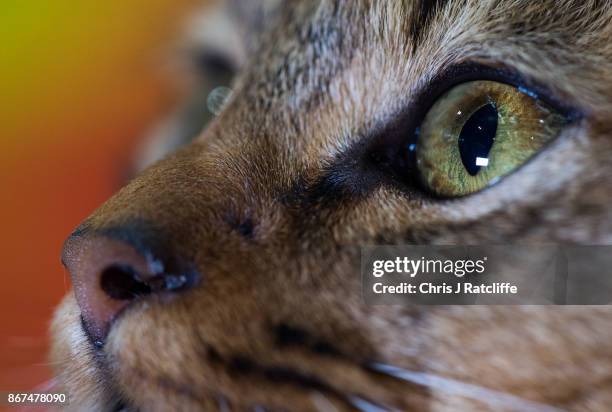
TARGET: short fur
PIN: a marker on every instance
(274, 198)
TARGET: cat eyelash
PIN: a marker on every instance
(466, 72)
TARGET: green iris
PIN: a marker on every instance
(480, 131)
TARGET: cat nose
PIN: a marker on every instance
(108, 274)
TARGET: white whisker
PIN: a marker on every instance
(22, 342)
(467, 390)
(321, 403)
(47, 385)
(366, 406)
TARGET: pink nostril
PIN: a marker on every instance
(108, 274)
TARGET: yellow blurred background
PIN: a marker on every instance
(81, 82)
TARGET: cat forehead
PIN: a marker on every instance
(305, 46)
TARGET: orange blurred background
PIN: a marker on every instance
(81, 82)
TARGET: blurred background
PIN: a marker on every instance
(81, 82)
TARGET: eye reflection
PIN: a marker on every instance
(477, 137)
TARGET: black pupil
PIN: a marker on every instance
(477, 137)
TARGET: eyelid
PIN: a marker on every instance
(466, 72)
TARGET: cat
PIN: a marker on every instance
(226, 275)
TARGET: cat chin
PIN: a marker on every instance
(72, 358)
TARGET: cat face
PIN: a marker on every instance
(226, 276)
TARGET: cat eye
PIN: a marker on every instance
(478, 132)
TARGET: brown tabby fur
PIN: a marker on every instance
(273, 199)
